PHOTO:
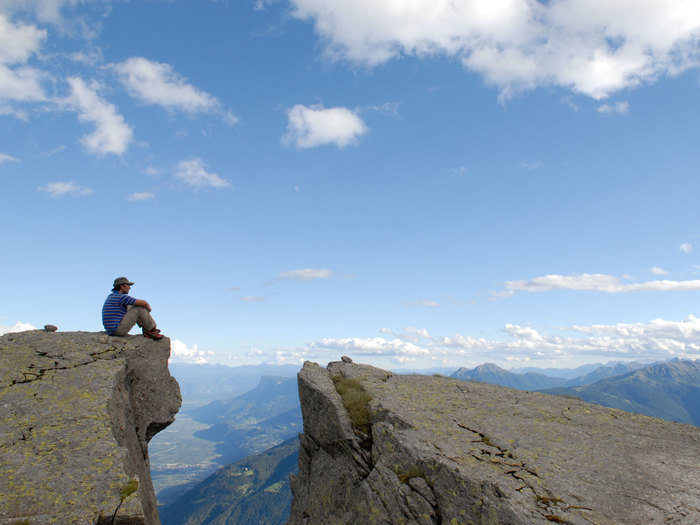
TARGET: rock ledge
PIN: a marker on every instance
(77, 411)
(445, 451)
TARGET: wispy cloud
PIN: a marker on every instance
(595, 282)
(140, 196)
(305, 274)
(253, 298)
(415, 335)
(152, 171)
(617, 108)
(53, 152)
(388, 108)
(58, 188)
(530, 164)
(193, 173)
(7, 158)
(157, 83)
(422, 302)
(112, 134)
(312, 126)
(686, 247)
(658, 271)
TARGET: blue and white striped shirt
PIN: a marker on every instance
(114, 309)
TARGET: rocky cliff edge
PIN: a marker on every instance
(77, 411)
(432, 450)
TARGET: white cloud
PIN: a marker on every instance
(686, 247)
(45, 10)
(192, 173)
(312, 126)
(56, 189)
(20, 83)
(422, 302)
(657, 339)
(18, 42)
(19, 326)
(156, 83)
(594, 47)
(112, 134)
(377, 346)
(618, 108)
(415, 335)
(140, 196)
(7, 158)
(305, 274)
(658, 271)
(181, 352)
(594, 282)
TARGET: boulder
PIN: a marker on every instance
(77, 411)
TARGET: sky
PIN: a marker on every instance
(412, 184)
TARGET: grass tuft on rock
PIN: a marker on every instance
(412, 472)
(356, 401)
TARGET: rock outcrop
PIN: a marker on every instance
(433, 450)
(77, 411)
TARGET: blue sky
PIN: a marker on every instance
(411, 184)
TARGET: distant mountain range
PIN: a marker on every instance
(495, 375)
(252, 491)
(668, 391)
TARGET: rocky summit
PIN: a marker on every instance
(394, 449)
(77, 411)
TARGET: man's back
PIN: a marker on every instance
(114, 310)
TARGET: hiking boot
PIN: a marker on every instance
(153, 333)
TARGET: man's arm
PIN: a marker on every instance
(141, 302)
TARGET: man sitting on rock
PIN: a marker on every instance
(121, 312)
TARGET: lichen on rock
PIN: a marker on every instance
(449, 451)
(77, 411)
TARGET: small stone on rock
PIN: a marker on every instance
(346, 359)
(50, 327)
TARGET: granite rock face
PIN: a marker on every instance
(77, 411)
(445, 451)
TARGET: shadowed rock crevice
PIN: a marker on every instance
(74, 434)
(443, 451)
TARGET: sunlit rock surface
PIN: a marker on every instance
(77, 411)
(446, 451)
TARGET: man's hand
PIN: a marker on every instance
(141, 302)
